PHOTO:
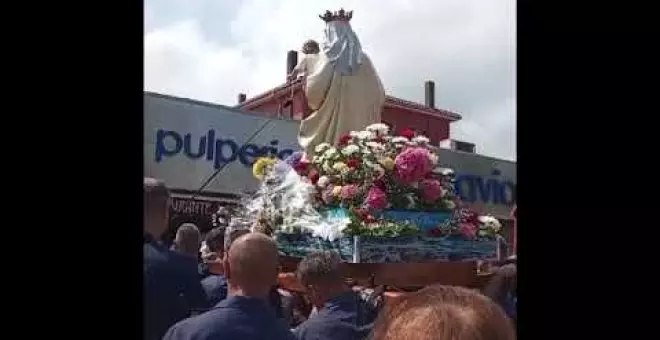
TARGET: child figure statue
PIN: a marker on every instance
(310, 50)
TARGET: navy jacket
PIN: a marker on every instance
(215, 287)
(171, 288)
(236, 317)
(344, 317)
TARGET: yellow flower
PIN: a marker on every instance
(260, 166)
(336, 191)
(387, 163)
(339, 166)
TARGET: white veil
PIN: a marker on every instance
(342, 47)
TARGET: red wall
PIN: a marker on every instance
(435, 128)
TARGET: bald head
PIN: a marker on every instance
(251, 265)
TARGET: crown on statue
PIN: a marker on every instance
(340, 15)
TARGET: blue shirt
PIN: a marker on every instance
(236, 317)
(344, 317)
(171, 288)
(215, 287)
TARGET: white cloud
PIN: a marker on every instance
(466, 46)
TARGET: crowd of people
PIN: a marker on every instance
(232, 293)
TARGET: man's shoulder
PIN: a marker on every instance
(223, 322)
(317, 324)
(213, 323)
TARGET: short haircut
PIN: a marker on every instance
(321, 267)
(443, 313)
(154, 194)
(188, 239)
(215, 240)
(231, 234)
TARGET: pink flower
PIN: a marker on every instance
(468, 230)
(349, 191)
(327, 196)
(376, 198)
(413, 164)
(432, 190)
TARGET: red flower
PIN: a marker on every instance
(344, 140)
(314, 176)
(353, 163)
(302, 168)
(360, 212)
(468, 230)
(379, 183)
(435, 232)
(408, 133)
(370, 219)
(379, 139)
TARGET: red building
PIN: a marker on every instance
(287, 100)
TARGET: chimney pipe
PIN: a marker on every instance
(429, 94)
(291, 61)
(241, 98)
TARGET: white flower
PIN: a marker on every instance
(420, 140)
(363, 134)
(323, 181)
(327, 167)
(434, 158)
(399, 140)
(379, 128)
(411, 201)
(350, 149)
(443, 171)
(375, 146)
(321, 147)
(353, 133)
(317, 159)
(490, 222)
(330, 152)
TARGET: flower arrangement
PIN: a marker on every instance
(374, 169)
(261, 166)
(468, 224)
(370, 171)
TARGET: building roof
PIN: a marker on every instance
(285, 89)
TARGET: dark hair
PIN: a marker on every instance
(311, 47)
(231, 234)
(443, 313)
(215, 239)
(154, 194)
(503, 282)
(187, 239)
(319, 267)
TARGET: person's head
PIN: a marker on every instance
(310, 47)
(155, 200)
(503, 282)
(443, 313)
(214, 249)
(251, 265)
(320, 273)
(187, 240)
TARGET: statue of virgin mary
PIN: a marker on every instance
(342, 87)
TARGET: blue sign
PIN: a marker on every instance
(492, 189)
(216, 150)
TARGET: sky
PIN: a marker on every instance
(211, 50)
